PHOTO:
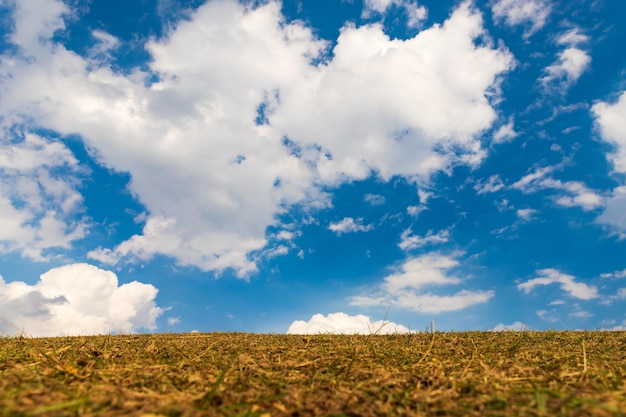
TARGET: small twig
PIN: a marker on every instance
(584, 358)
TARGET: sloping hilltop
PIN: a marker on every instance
(464, 374)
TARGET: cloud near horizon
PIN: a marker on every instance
(342, 323)
(77, 299)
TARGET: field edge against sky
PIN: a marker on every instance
(312, 166)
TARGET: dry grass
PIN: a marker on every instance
(464, 374)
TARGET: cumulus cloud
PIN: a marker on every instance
(410, 241)
(572, 61)
(531, 13)
(39, 201)
(410, 287)
(341, 323)
(517, 326)
(611, 123)
(212, 174)
(566, 282)
(349, 225)
(78, 299)
(572, 193)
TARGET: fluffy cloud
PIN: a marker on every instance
(532, 13)
(77, 299)
(571, 63)
(38, 196)
(348, 225)
(611, 121)
(341, 323)
(212, 174)
(517, 326)
(408, 288)
(566, 282)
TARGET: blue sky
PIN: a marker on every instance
(312, 166)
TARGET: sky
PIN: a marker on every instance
(312, 166)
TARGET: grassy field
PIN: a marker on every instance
(464, 374)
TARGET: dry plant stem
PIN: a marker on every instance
(227, 374)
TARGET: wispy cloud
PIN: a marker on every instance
(572, 61)
(375, 199)
(410, 241)
(573, 193)
(566, 282)
(414, 12)
(490, 185)
(411, 287)
(531, 13)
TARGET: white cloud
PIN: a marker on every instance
(614, 214)
(571, 63)
(581, 314)
(410, 241)
(424, 196)
(382, 104)
(78, 299)
(526, 214)
(611, 121)
(416, 14)
(532, 13)
(567, 283)
(172, 321)
(211, 179)
(620, 327)
(407, 287)
(341, 323)
(416, 210)
(348, 225)
(491, 185)
(615, 274)
(39, 202)
(573, 193)
(517, 326)
(375, 199)
(505, 133)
